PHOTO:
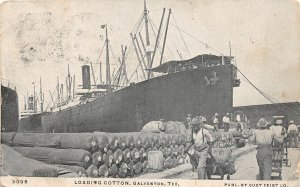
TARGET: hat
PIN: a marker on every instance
(292, 121)
(278, 122)
(195, 121)
(216, 114)
(227, 114)
(262, 122)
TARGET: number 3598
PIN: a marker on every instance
(19, 181)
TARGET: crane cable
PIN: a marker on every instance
(181, 36)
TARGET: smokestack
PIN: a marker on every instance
(86, 81)
(30, 103)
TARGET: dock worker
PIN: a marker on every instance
(189, 120)
(226, 122)
(263, 137)
(293, 134)
(279, 130)
(201, 144)
(162, 125)
(215, 120)
(239, 126)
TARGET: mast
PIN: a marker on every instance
(73, 86)
(157, 38)
(107, 59)
(148, 52)
(69, 84)
(124, 64)
(165, 38)
(27, 100)
(57, 89)
(122, 71)
(34, 103)
(229, 49)
(61, 92)
(100, 73)
(93, 73)
(41, 95)
(25, 106)
(139, 48)
(52, 98)
(142, 42)
(138, 55)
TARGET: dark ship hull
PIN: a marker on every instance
(170, 97)
(9, 109)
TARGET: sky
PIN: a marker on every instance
(40, 39)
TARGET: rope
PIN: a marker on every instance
(135, 30)
(99, 58)
(268, 97)
(181, 36)
(112, 53)
(205, 44)
(135, 71)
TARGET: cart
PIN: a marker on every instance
(277, 160)
(214, 168)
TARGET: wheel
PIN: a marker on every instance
(258, 177)
(208, 172)
(208, 175)
(220, 171)
(228, 177)
(222, 177)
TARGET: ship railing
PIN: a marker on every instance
(191, 66)
(8, 84)
(187, 66)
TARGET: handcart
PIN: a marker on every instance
(279, 158)
(286, 160)
(213, 168)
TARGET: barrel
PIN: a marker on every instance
(92, 171)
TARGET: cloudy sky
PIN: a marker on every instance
(40, 39)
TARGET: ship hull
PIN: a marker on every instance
(170, 97)
(9, 109)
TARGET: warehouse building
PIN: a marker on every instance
(291, 110)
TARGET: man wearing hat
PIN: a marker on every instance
(201, 142)
(226, 122)
(279, 131)
(189, 120)
(215, 120)
(263, 137)
(292, 134)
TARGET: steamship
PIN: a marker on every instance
(200, 85)
(9, 107)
